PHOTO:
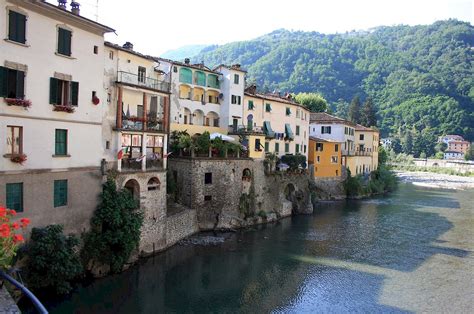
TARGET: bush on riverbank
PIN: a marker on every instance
(381, 180)
(439, 170)
(115, 229)
(52, 259)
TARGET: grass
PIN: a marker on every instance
(439, 170)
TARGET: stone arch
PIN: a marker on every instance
(133, 186)
(290, 192)
(212, 119)
(198, 117)
(153, 184)
(187, 116)
(246, 174)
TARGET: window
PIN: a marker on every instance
(235, 99)
(288, 111)
(208, 178)
(297, 148)
(336, 147)
(297, 130)
(268, 107)
(361, 137)
(62, 92)
(304, 149)
(319, 147)
(96, 50)
(236, 79)
(277, 148)
(334, 159)
(16, 27)
(175, 69)
(325, 130)
(212, 81)
(251, 105)
(141, 74)
(12, 83)
(60, 193)
(267, 147)
(207, 198)
(185, 75)
(14, 193)
(287, 147)
(64, 41)
(257, 145)
(318, 159)
(200, 78)
(297, 113)
(14, 140)
(111, 55)
(60, 147)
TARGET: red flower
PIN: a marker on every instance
(4, 230)
(12, 212)
(3, 211)
(15, 226)
(24, 222)
(18, 238)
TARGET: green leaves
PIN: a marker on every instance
(313, 101)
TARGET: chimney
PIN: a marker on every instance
(75, 8)
(187, 60)
(236, 66)
(252, 89)
(62, 4)
(128, 45)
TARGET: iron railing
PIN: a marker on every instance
(138, 80)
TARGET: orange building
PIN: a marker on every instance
(325, 155)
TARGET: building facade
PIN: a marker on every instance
(325, 156)
(51, 109)
(282, 121)
(366, 155)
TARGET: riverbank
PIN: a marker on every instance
(436, 180)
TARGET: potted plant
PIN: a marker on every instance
(18, 158)
(25, 103)
(64, 108)
(9, 238)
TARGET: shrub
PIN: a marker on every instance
(115, 231)
(353, 185)
(262, 213)
(203, 142)
(52, 261)
(294, 161)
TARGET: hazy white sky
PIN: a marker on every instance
(155, 26)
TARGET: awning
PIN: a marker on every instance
(268, 129)
(288, 133)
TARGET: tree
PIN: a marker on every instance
(441, 147)
(115, 228)
(368, 117)
(354, 110)
(407, 143)
(470, 153)
(313, 101)
(383, 155)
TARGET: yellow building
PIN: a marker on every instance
(325, 155)
(282, 121)
(366, 154)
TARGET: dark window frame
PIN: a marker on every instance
(17, 205)
(58, 143)
(60, 193)
(208, 178)
(17, 26)
(64, 44)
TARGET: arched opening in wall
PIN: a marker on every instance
(154, 184)
(212, 119)
(249, 122)
(133, 187)
(187, 116)
(198, 117)
(290, 192)
(246, 175)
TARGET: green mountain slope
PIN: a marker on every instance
(188, 51)
(421, 78)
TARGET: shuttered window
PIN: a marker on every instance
(64, 41)
(60, 148)
(277, 147)
(212, 81)
(14, 193)
(250, 105)
(12, 83)
(185, 75)
(60, 193)
(287, 147)
(16, 27)
(63, 92)
(200, 78)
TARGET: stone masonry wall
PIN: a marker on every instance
(180, 226)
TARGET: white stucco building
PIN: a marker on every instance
(51, 107)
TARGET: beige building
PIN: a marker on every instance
(284, 122)
(51, 107)
(365, 158)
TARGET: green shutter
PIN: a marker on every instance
(185, 75)
(14, 195)
(267, 147)
(53, 91)
(297, 148)
(64, 41)
(287, 147)
(60, 193)
(277, 147)
(3, 82)
(20, 84)
(20, 28)
(75, 93)
(200, 78)
(61, 142)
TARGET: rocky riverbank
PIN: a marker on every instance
(436, 180)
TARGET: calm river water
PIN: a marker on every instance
(410, 251)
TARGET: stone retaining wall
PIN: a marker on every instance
(180, 226)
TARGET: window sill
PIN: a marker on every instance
(16, 43)
(59, 156)
(64, 56)
(11, 155)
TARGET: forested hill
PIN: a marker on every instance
(420, 78)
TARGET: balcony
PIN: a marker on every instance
(362, 153)
(135, 164)
(153, 123)
(235, 129)
(143, 82)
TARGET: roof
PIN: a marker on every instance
(235, 67)
(452, 152)
(69, 14)
(276, 98)
(458, 142)
(198, 66)
(360, 127)
(317, 139)
(323, 117)
(133, 52)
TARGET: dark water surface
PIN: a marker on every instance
(410, 251)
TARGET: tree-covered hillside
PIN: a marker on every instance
(420, 78)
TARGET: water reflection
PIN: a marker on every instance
(340, 259)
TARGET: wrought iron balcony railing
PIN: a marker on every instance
(139, 80)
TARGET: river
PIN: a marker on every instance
(410, 251)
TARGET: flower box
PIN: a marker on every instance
(25, 103)
(19, 159)
(64, 108)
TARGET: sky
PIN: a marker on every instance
(156, 26)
